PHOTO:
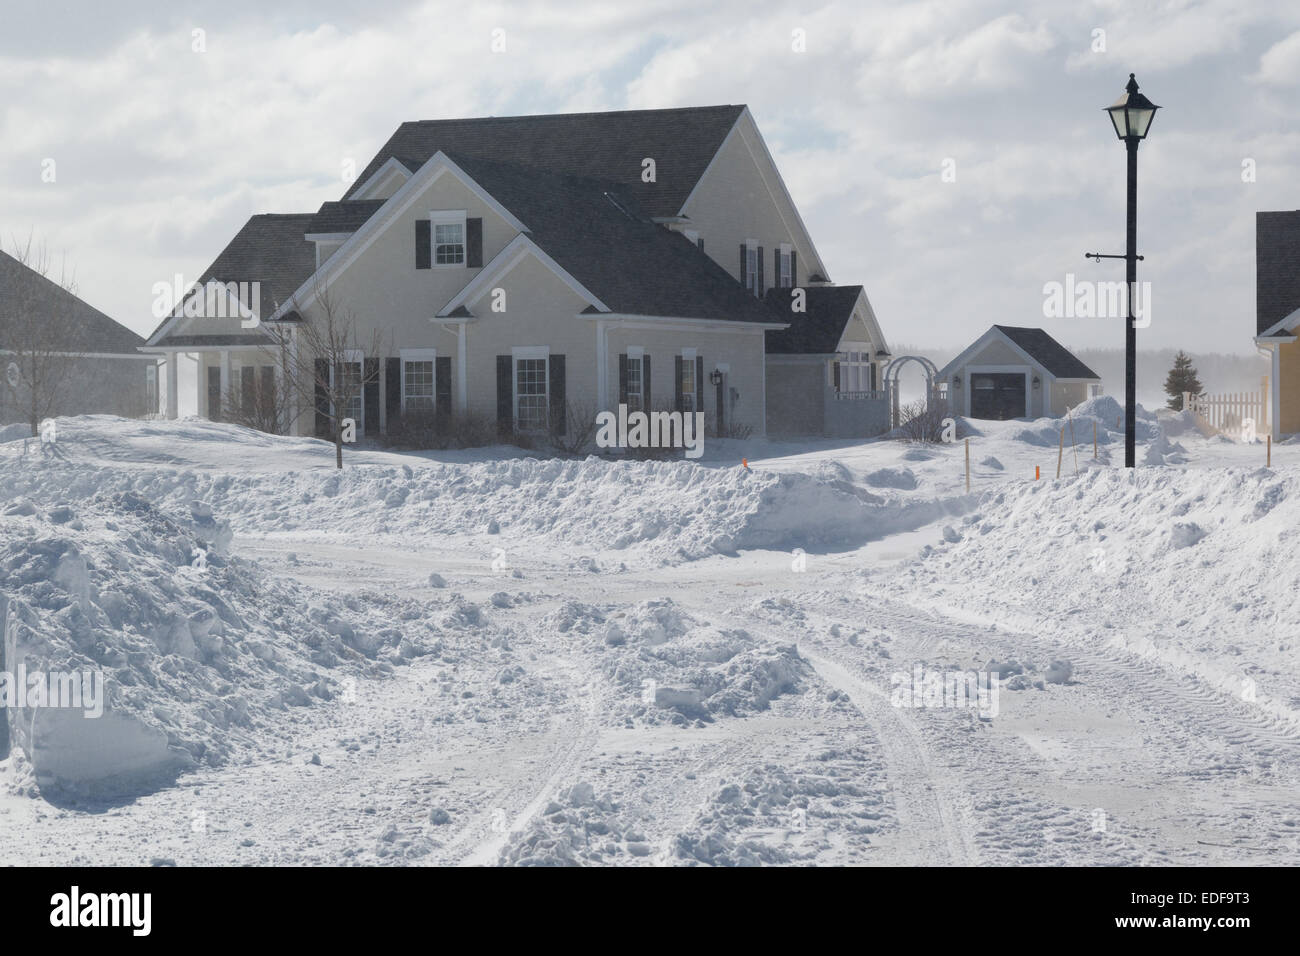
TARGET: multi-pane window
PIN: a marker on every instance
(857, 373)
(751, 269)
(785, 280)
(688, 384)
(530, 393)
(351, 388)
(448, 243)
(635, 391)
(417, 385)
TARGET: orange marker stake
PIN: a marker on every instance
(745, 462)
(1035, 472)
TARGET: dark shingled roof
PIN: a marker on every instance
(607, 146)
(27, 296)
(346, 216)
(1277, 267)
(1047, 352)
(270, 249)
(817, 331)
(600, 235)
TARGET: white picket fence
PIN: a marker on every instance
(1236, 414)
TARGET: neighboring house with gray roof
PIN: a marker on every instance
(85, 362)
(519, 266)
(1277, 313)
(1016, 372)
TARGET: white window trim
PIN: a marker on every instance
(517, 353)
(635, 353)
(448, 217)
(417, 355)
(786, 271)
(688, 354)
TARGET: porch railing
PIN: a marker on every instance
(877, 396)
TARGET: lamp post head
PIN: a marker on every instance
(1132, 113)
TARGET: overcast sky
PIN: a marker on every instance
(161, 152)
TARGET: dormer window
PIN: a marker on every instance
(752, 278)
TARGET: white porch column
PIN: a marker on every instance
(223, 398)
(173, 374)
(601, 384)
(462, 374)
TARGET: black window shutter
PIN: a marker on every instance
(423, 244)
(759, 290)
(473, 243)
(744, 266)
(794, 276)
(622, 379)
(392, 392)
(322, 373)
(873, 377)
(835, 375)
(700, 242)
(267, 396)
(370, 395)
(247, 389)
(442, 385)
(699, 383)
(776, 267)
(559, 407)
(505, 395)
(645, 382)
(677, 380)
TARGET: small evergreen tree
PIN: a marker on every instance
(1182, 378)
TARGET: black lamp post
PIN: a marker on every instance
(1131, 115)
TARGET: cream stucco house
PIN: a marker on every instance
(516, 265)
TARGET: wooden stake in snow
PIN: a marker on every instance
(1060, 452)
(1074, 445)
(1094, 439)
(967, 466)
(1270, 449)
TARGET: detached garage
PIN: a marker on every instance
(1012, 372)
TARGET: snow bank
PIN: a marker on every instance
(670, 511)
(1083, 557)
(194, 649)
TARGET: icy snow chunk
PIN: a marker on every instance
(951, 534)
(991, 462)
(436, 580)
(1059, 672)
(903, 479)
(1184, 534)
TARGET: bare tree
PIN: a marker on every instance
(36, 361)
(318, 359)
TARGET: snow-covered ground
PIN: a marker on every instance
(482, 657)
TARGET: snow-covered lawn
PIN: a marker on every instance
(482, 657)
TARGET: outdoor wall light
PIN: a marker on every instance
(956, 381)
(1036, 382)
(715, 377)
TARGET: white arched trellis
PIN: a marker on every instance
(891, 382)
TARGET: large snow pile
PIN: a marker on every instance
(1083, 557)
(1104, 411)
(669, 510)
(195, 648)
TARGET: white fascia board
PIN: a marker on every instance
(989, 336)
(518, 249)
(94, 355)
(397, 204)
(1269, 341)
(623, 320)
(1288, 324)
(391, 166)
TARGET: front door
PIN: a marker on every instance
(997, 396)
